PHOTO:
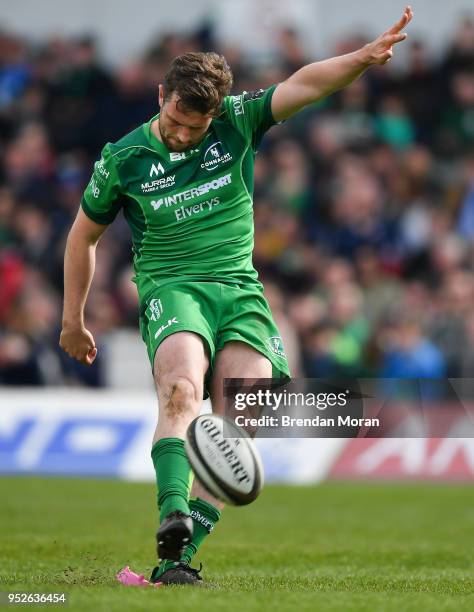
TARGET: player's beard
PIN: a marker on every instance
(172, 146)
(164, 138)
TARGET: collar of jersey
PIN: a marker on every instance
(157, 144)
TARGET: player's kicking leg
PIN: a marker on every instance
(235, 360)
(179, 369)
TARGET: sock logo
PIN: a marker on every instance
(200, 518)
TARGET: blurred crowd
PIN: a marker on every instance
(364, 205)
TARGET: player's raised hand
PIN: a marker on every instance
(78, 343)
(380, 50)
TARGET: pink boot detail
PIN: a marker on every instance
(129, 578)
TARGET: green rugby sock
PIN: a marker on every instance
(160, 569)
(204, 516)
(173, 475)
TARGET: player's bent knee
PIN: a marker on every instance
(181, 397)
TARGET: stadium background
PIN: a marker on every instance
(364, 216)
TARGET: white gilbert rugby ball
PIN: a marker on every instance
(228, 468)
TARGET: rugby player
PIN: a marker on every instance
(184, 180)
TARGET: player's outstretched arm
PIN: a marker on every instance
(318, 80)
(79, 264)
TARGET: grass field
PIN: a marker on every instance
(329, 547)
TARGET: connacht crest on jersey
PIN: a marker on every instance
(215, 156)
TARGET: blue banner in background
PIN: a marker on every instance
(77, 433)
(88, 446)
(78, 446)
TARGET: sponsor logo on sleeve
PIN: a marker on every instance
(253, 95)
(99, 177)
(102, 170)
(94, 187)
(237, 104)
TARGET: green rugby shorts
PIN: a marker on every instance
(218, 312)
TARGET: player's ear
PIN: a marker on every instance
(160, 95)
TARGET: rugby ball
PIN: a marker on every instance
(229, 468)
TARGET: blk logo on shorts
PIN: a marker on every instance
(162, 328)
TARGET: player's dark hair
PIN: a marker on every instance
(200, 80)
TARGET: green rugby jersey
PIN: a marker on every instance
(190, 213)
